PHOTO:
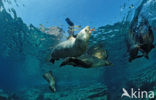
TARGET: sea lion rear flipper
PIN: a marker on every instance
(68, 61)
(69, 22)
(132, 58)
(75, 62)
(70, 28)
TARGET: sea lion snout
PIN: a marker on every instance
(87, 29)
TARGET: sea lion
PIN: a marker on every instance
(51, 80)
(140, 36)
(141, 40)
(73, 46)
(95, 57)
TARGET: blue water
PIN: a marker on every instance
(25, 49)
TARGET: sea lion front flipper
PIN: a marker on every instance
(145, 54)
(138, 56)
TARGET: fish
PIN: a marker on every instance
(93, 29)
(77, 26)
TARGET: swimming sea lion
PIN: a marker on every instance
(142, 42)
(51, 80)
(140, 36)
(95, 57)
(73, 47)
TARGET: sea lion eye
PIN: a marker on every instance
(86, 30)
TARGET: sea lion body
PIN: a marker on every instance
(95, 57)
(86, 62)
(73, 47)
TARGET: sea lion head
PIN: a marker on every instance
(84, 34)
